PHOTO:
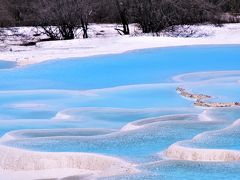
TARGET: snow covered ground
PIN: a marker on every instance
(105, 40)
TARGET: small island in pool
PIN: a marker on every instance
(200, 99)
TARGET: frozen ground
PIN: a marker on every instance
(105, 40)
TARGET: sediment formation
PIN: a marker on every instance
(186, 94)
(22, 160)
(177, 152)
(216, 104)
(199, 99)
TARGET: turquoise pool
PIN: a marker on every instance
(90, 105)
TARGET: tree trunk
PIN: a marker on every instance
(84, 28)
(123, 17)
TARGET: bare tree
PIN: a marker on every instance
(152, 15)
(123, 7)
(86, 8)
(157, 15)
(58, 18)
(61, 19)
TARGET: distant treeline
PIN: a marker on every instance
(61, 18)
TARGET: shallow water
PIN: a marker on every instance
(138, 67)
(127, 106)
(174, 170)
(7, 64)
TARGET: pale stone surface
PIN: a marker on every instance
(17, 160)
(178, 152)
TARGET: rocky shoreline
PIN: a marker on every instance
(217, 104)
(186, 94)
(199, 99)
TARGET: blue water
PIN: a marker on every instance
(227, 138)
(82, 104)
(132, 145)
(139, 67)
(7, 64)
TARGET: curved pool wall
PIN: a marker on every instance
(126, 105)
